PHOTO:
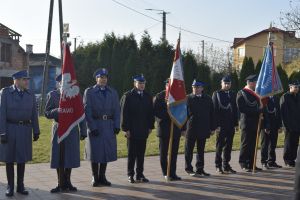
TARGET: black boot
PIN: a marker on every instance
(68, 180)
(20, 179)
(95, 177)
(102, 177)
(10, 179)
(58, 188)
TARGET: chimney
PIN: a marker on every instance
(29, 48)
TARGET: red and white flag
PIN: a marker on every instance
(71, 110)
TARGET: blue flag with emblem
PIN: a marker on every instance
(268, 82)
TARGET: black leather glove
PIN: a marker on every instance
(36, 137)
(95, 132)
(116, 131)
(3, 138)
(82, 137)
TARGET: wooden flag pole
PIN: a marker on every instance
(170, 150)
(257, 140)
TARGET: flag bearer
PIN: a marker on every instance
(250, 107)
(18, 126)
(71, 143)
(163, 133)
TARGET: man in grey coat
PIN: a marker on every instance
(18, 125)
(71, 143)
(102, 110)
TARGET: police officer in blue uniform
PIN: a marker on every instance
(290, 113)
(137, 121)
(226, 119)
(18, 126)
(269, 132)
(102, 110)
(250, 107)
(71, 143)
(163, 133)
(200, 126)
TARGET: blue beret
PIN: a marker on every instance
(251, 78)
(139, 78)
(100, 72)
(58, 78)
(226, 79)
(294, 83)
(198, 83)
(20, 74)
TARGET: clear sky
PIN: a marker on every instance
(91, 19)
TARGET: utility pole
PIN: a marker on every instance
(75, 42)
(164, 22)
(46, 65)
(202, 42)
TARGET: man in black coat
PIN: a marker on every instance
(250, 108)
(269, 132)
(226, 119)
(200, 126)
(137, 121)
(290, 113)
(163, 133)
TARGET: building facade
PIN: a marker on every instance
(286, 47)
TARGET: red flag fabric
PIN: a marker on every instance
(71, 110)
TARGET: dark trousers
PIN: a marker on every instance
(268, 146)
(163, 148)
(189, 148)
(291, 141)
(20, 174)
(224, 141)
(247, 149)
(136, 154)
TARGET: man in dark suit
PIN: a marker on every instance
(163, 133)
(290, 113)
(137, 121)
(269, 132)
(200, 126)
(226, 118)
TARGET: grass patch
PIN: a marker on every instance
(42, 148)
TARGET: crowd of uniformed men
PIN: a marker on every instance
(135, 115)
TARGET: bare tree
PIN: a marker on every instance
(290, 20)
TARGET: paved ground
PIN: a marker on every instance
(272, 184)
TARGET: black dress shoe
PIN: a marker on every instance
(175, 178)
(229, 170)
(70, 187)
(258, 169)
(21, 190)
(55, 190)
(190, 172)
(95, 182)
(103, 181)
(274, 165)
(219, 170)
(9, 192)
(142, 179)
(131, 179)
(246, 169)
(265, 166)
(201, 172)
(291, 164)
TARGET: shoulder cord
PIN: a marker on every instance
(221, 105)
(251, 104)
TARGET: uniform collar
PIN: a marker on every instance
(13, 88)
(98, 88)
